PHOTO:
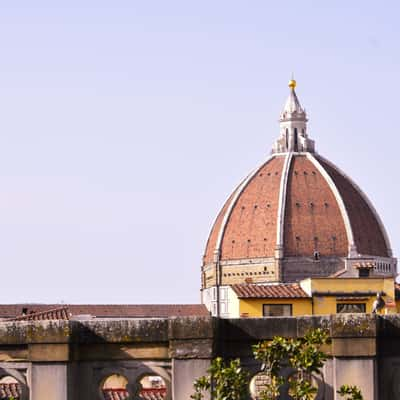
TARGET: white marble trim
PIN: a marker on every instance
(338, 197)
(366, 199)
(282, 200)
(235, 198)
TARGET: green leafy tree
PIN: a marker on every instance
(352, 392)
(303, 355)
(226, 381)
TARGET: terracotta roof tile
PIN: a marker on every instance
(115, 394)
(338, 273)
(146, 394)
(153, 394)
(9, 390)
(52, 314)
(109, 310)
(280, 291)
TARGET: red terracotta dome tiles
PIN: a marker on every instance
(251, 229)
(313, 220)
(212, 239)
(146, 394)
(368, 236)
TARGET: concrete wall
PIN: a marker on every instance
(68, 360)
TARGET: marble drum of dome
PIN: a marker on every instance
(295, 216)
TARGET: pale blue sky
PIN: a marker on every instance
(124, 125)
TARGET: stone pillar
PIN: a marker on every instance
(354, 351)
(52, 373)
(360, 372)
(191, 349)
(49, 381)
(185, 372)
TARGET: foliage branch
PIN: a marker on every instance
(303, 355)
(229, 381)
(226, 381)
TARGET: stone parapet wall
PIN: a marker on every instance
(68, 360)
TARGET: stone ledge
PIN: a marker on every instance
(192, 327)
(164, 330)
(195, 348)
(348, 347)
(354, 325)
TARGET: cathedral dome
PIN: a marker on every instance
(295, 216)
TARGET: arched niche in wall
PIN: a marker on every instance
(114, 386)
(260, 381)
(152, 382)
(132, 381)
(152, 387)
(13, 384)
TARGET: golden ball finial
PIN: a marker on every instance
(292, 84)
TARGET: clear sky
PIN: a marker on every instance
(124, 126)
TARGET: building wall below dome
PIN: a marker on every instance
(297, 268)
(241, 271)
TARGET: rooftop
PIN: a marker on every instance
(277, 291)
(57, 311)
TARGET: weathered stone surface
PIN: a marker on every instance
(192, 327)
(49, 381)
(34, 332)
(360, 372)
(199, 348)
(185, 373)
(48, 352)
(120, 351)
(305, 324)
(81, 350)
(120, 331)
(350, 347)
(354, 325)
(389, 325)
(250, 329)
(14, 353)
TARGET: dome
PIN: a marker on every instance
(295, 216)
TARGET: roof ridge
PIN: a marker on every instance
(27, 317)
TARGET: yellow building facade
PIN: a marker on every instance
(313, 296)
